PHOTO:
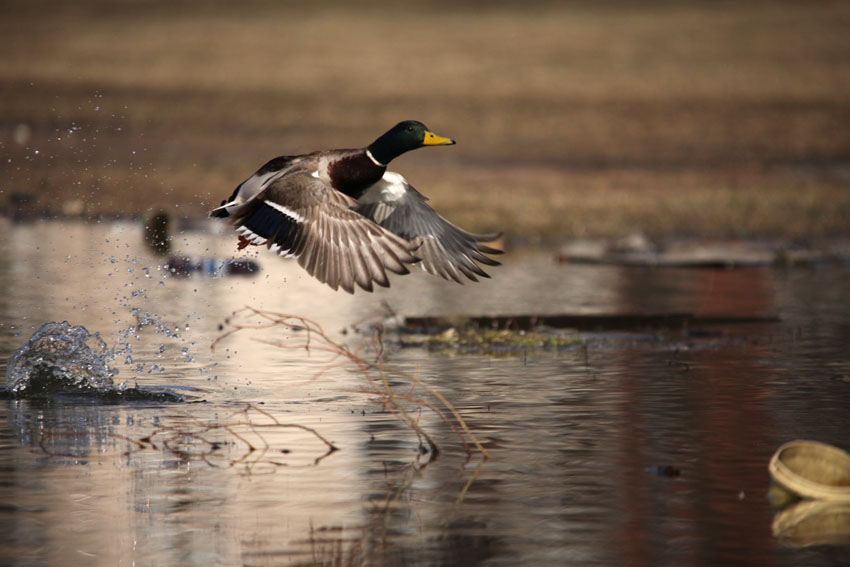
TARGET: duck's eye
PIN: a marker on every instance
(410, 128)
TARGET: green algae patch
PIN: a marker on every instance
(472, 340)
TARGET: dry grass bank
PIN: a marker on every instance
(706, 118)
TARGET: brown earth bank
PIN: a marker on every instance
(712, 119)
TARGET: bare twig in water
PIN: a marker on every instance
(195, 440)
(314, 339)
(242, 433)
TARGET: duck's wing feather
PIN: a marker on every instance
(446, 250)
(255, 184)
(297, 215)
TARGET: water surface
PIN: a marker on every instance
(574, 435)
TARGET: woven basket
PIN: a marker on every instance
(812, 470)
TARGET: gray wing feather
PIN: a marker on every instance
(445, 249)
(333, 243)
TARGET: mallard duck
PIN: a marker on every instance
(348, 220)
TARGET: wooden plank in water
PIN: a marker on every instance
(598, 322)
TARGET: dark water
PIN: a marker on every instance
(575, 436)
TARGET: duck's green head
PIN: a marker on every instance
(403, 137)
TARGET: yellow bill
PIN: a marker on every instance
(431, 139)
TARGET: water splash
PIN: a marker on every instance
(61, 357)
(68, 359)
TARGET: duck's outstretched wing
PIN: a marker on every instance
(298, 216)
(445, 249)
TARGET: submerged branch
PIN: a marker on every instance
(315, 339)
(196, 440)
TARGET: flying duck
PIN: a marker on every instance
(348, 220)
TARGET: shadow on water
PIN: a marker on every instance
(638, 444)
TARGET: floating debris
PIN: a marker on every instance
(669, 471)
(490, 341)
(599, 322)
(521, 334)
(812, 470)
(637, 250)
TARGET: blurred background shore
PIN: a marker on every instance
(696, 118)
